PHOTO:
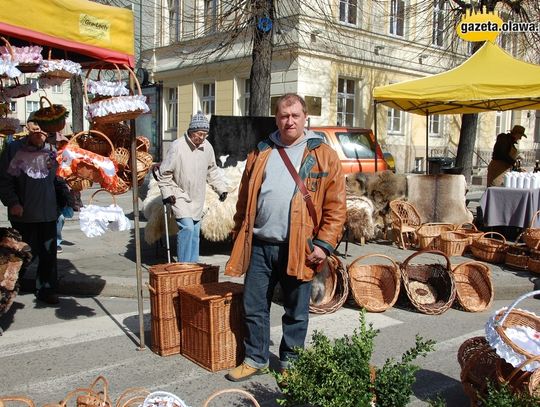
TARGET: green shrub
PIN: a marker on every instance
(338, 373)
(502, 396)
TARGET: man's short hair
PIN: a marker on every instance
(290, 98)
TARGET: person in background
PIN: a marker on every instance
(504, 155)
(277, 239)
(28, 188)
(64, 195)
(190, 163)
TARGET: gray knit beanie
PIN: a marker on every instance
(199, 122)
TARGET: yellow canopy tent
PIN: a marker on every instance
(85, 30)
(490, 80)
(88, 33)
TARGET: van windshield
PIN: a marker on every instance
(356, 144)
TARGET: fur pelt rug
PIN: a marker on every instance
(376, 191)
(217, 221)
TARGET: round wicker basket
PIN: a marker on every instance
(430, 287)
(531, 235)
(453, 243)
(474, 288)
(429, 234)
(374, 287)
(517, 255)
(340, 292)
(489, 249)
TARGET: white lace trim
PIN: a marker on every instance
(107, 88)
(35, 164)
(95, 220)
(24, 55)
(9, 68)
(119, 104)
(522, 336)
(51, 65)
(163, 399)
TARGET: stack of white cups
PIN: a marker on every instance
(522, 180)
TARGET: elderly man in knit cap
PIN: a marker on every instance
(504, 155)
(189, 164)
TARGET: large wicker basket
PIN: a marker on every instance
(490, 249)
(517, 255)
(429, 234)
(374, 287)
(453, 243)
(337, 289)
(474, 288)
(429, 287)
(531, 235)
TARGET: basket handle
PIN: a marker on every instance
(408, 259)
(73, 139)
(131, 394)
(470, 262)
(100, 378)
(48, 101)
(493, 233)
(132, 74)
(533, 220)
(90, 203)
(372, 255)
(521, 366)
(512, 306)
(150, 288)
(461, 226)
(243, 392)
(22, 399)
(8, 47)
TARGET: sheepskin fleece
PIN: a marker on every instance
(439, 197)
(360, 211)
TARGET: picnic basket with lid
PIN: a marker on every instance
(429, 287)
(515, 334)
(489, 249)
(429, 234)
(337, 288)
(374, 287)
(474, 288)
(531, 235)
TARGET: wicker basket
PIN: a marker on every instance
(27, 58)
(489, 249)
(374, 287)
(51, 118)
(470, 230)
(338, 291)
(498, 330)
(78, 184)
(474, 288)
(244, 393)
(5, 401)
(531, 235)
(121, 156)
(430, 287)
(517, 255)
(429, 234)
(165, 279)
(453, 243)
(533, 264)
(516, 378)
(477, 360)
(212, 321)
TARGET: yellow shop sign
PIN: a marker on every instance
(480, 25)
(95, 27)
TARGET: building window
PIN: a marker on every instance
(174, 21)
(246, 96)
(210, 14)
(32, 81)
(345, 102)
(208, 98)
(13, 107)
(498, 122)
(397, 17)
(172, 108)
(438, 23)
(57, 89)
(395, 122)
(348, 11)
(434, 125)
(32, 106)
(537, 126)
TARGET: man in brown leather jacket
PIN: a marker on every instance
(277, 239)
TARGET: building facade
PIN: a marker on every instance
(332, 52)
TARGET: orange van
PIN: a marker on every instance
(355, 148)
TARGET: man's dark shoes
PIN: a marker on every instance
(243, 372)
(47, 296)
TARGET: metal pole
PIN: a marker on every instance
(427, 139)
(375, 131)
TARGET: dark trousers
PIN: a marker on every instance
(41, 237)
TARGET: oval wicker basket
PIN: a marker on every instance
(339, 290)
(429, 234)
(87, 140)
(453, 243)
(517, 255)
(477, 360)
(531, 235)
(516, 378)
(16, 399)
(374, 287)
(489, 249)
(50, 118)
(474, 288)
(470, 230)
(430, 287)
(533, 264)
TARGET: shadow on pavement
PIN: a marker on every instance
(451, 389)
(9, 317)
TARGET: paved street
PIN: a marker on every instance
(47, 351)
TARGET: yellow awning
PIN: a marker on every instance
(87, 28)
(490, 80)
